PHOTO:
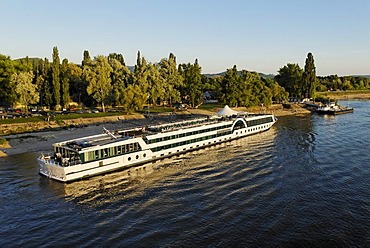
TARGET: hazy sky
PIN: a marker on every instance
(257, 35)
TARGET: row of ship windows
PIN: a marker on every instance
(184, 149)
(159, 148)
(259, 121)
(185, 134)
(253, 129)
(111, 152)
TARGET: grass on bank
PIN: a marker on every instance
(58, 117)
(61, 117)
(342, 93)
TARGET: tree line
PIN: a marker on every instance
(302, 83)
(107, 80)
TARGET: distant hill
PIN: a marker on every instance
(365, 76)
(271, 76)
(131, 68)
(33, 61)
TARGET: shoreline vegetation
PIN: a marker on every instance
(345, 95)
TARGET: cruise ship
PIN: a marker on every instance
(120, 149)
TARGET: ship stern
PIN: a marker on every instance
(50, 169)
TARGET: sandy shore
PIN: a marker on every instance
(37, 142)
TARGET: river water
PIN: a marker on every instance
(303, 183)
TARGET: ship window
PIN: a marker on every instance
(119, 149)
(137, 156)
(129, 159)
(144, 155)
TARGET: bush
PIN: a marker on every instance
(3, 141)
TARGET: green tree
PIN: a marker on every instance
(118, 57)
(65, 83)
(55, 75)
(98, 75)
(120, 77)
(25, 89)
(309, 77)
(140, 73)
(253, 90)
(86, 58)
(290, 77)
(47, 89)
(77, 88)
(193, 82)
(140, 78)
(278, 93)
(86, 66)
(156, 88)
(173, 80)
(7, 93)
(230, 87)
(23, 65)
(133, 98)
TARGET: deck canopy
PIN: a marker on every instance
(227, 111)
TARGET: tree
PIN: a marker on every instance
(23, 65)
(156, 88)
(65, 83)
(230, 87)
(278, 93)
(140, 77)
(172, 79)
(86, 58)
(47, 89)
(290, 77)
(133, 98)
(98, 77)
(140, 73)
(55, 75)
(118, 57)
(193, 82)
(309, 77)
(120, 76)
(7, 94)
(77, 88)
(25, 89)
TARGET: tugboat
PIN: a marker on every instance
(333, 109)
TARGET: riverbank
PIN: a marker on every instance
(346, 95)
(38, 137)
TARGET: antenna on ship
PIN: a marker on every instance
(109, 133)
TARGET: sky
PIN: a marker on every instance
(255, 35)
